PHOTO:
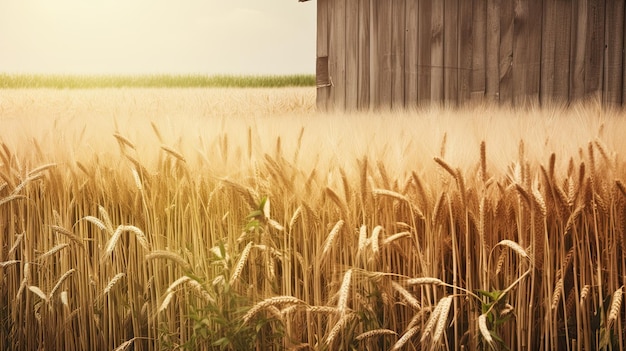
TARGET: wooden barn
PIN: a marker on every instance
(403, 53)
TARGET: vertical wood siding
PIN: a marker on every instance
(405, 53)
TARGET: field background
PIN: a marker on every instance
(242, 218)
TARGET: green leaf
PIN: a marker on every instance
(222, 342)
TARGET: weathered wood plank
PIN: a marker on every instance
(383, 51)
(466, 22)
(479, 44)
(579, 43)
(397, 23)
(521, 41)
(534, 23)
(364, 55)
(424, 57)
(436, 52)
(375, 60)
(323, 92)
(411, 49)
(352, 50)
(337, 57)
(562, 50)
(451, 52)
(548, 43)
(492, 62)
(614, 32)
(594, 51)
(507, 19)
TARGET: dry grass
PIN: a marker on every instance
(141, 218)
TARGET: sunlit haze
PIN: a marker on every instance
(157, 36)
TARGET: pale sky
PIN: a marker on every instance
(157, 36)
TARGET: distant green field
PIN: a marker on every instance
(55, 81)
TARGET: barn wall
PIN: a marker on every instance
(403, 53)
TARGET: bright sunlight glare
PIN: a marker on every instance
(157, 36)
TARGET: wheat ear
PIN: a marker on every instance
(615, 306)
(374, 333)
(112, 283)
(484, 331)
(272, 301)
(168, 255)
(514, 246)
(344, 291)
(331, 237)
(241, 263)
(405, 338)
(407, 295)
(445, 303)
(424, 281)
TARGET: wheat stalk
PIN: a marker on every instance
(374, 333)
(514, 246)
(445, 303)
(168, 255)
(60, 281)
(38, 292)
(484, 331)
(173, 153)
(407, 296)
(334, 332)
(344, 292)
(112, 282)
(331, 237)
(405, 338)
(558, 290)
(363, 242)
(52, 251)
(432, 320)
(241, 263)
(424, 281)
(9, 263)
(123, 141)
(616, 305)
(374, 239)
(583, 293)
(272, 301)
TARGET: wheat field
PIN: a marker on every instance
(242, 219)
